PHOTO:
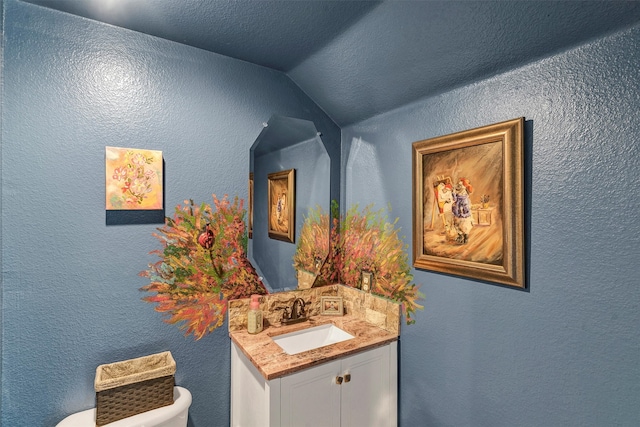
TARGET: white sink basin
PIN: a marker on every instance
(310, 338)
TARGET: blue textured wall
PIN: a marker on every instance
(1, 264)
(70, 282)
(565, 352)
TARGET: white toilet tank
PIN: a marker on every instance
(175, 415)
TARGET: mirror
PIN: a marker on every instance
(286, 143)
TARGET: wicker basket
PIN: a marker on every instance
(130, 387)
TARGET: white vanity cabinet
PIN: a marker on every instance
(356, 390)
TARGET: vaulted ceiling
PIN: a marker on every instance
(357, 59)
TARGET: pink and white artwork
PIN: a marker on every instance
(133, 179)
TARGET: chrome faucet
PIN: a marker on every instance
(296, 313)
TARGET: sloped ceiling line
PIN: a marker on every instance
(358, 59)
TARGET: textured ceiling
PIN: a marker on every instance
(357, 59)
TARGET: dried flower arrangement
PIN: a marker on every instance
(202, 264)
(313, 241)
(361, 241)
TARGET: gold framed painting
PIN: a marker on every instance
(468, 203)
(282, 205)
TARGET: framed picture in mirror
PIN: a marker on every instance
(468, 203)
(282, 205)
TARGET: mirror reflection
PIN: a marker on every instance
(286, 144)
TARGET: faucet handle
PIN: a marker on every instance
(285, 313)
(297, 308)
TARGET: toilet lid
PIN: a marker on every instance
(80, 419)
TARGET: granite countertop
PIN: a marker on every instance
(273, 362)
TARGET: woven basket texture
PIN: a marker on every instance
(133, 386)
(131, 399)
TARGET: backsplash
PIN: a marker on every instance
(378, 311)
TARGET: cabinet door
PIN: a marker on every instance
(311, 397)
(251, 395)
(369, 398)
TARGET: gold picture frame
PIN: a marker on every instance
(468, 203)
(282, 205)
(331, 306)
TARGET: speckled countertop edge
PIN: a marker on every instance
(273, 362)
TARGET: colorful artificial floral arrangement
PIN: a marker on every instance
(361, 241)
(313, 242)
(202, 264)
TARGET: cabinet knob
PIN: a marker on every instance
(347, 378)
(339, 380)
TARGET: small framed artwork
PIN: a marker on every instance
(282, 205)
(331, 306)
(468, 204)
(133, 179)
(250, 208)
